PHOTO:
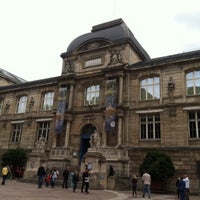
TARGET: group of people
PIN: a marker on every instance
(70, 178)
(146, 182)
(9, 173)
(183, 187)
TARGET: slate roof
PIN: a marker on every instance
(11, 77)
(175, 58)
(115, 31)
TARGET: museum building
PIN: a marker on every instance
(111, 105)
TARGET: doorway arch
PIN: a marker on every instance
(86, 132)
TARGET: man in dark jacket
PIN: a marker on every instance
(41, 174)
(85, 181)
(65, 177)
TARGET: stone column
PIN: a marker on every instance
(120, 89)
(67, 134)
(119, 140)
(71, 94)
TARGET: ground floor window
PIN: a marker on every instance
(16, 133)
(43, 130)
(194, 124)
(150, 126)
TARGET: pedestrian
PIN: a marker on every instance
(111, 171)
(134, 185)
(4, 174)
(75, 179)
(54, 176)
(41, 174)
(187, 187)
(65, 177)
(146, 180)
(47, 179)
(181, 187)
(177, 188)
(85, 181)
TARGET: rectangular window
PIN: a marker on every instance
(16, 133)
(150, 88)
(150, 126)
(194, 124)
(193, 83)
(92, 95)
(43, 130)
(48, 101)
(21, 104)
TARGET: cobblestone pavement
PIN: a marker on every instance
(14, 190)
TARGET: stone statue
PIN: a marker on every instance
(41, 142)
(94, 140)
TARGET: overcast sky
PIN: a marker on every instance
(34, 33)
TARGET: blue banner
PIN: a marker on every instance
(61, 110)
(111, 99)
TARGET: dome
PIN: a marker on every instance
(114, 31)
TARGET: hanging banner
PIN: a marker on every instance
(111, 99)
(62, 98)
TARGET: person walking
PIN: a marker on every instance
(187, 187)
(85, 181)
(65, 177)
(134, 185)
(181, 187)
(54, 176)
(4, 174)
(146, 180)
(75, 179)
(41, 174)
(177, 187)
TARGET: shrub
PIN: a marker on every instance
(158, 165)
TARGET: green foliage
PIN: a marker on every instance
(15, 157)
(158, 165)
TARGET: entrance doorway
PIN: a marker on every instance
(85, 139)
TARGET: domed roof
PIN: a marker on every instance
(114, 31)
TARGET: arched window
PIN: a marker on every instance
(193, 83)
(150, 88)
(92, 95)
(48, 101)
(21, 104)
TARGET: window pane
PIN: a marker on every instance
(150, 92)
(143, 131)
(143, 94)
(150, 131)
(157, 131)
(192, 130)
(156, 92)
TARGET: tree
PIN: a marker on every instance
(16, 158)
(158, 164)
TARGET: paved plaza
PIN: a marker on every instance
(14, 190)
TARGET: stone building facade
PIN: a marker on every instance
(111, 105)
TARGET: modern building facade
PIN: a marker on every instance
(110, 106)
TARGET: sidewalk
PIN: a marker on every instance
(25, 191)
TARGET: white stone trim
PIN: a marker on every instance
(44, 119)
(192, 108)
(148, 111)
